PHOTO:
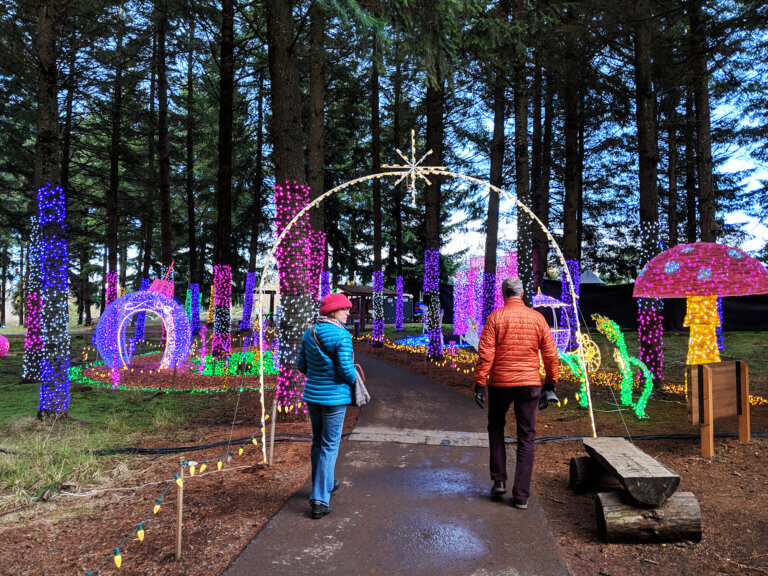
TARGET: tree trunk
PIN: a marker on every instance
(222, 255)
(672, 119)
(435, 99)
(189, 182)
(495, 178)
(114, 171)
(315, 135)
(580, 210)
(149, 223)
(707, 203)
(22, 285)
(649, 320)
(258, 182)
(163, 152)
(84, 259)
(3, 280)
(522, 165)
(396, 191)
(570, 245)
(539, 237)
(66, 139)
(376, 155)
(541, 192)
(690, 172)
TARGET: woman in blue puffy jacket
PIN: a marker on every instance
(330, 371)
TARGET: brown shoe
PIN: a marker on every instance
(498, 489)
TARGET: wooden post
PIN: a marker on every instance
(272, 432)
(744, 425)
(708, 427)
(179, 509)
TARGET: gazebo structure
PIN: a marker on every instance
(362, 298)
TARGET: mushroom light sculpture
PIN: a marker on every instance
(700, 273)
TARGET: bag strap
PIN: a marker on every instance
(322, 348)
(362, 374)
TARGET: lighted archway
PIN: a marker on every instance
(109, 338)
(413, 169)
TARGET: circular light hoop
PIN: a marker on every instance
(109, 337)
(436, 171)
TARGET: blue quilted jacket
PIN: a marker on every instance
(327, 383)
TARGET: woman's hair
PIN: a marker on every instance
(512, 287)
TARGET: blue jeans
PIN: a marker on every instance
(327, 423)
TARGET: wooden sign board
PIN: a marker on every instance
(718, 390)
(727, 380)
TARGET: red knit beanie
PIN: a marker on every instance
(334, 301)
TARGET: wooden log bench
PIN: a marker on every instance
(646, 479)
(641, 504)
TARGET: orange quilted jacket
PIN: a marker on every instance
(509, 347)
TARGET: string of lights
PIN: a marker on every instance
(432, 299)
(399, 319)
(325, 284)
(250, 285)
(571, 284)
(33, 340)
(221, 343)
(378, 308)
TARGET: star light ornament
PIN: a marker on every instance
(413, 169)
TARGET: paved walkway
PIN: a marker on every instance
(413, 503)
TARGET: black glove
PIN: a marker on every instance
(548, 396)
(480, 395)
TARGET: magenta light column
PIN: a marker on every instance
(300, 257)
(222, 339)
(377, 337)
(432, 300)
(54, 289)
(567, 315)
(650, 335)
(399, 303)
(461, 304)
(33, 341)
(250, 286)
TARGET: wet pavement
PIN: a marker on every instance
(415, 508)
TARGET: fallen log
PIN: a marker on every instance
(646, 479)
(619, 520)
(587, 475)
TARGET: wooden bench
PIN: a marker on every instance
(641, 503)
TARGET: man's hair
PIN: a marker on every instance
(512, 287)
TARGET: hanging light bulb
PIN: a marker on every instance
(140, 532)
(255, 442)
(156, 509)
(203, 466)
(192, 466)
(118, 557)
(179, 481)
(218, 464)
(240, 451)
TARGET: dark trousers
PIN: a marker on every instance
(526, 401)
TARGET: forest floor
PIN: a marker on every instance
(63, 510)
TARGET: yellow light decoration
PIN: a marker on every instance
(218, 464)
(156, 509)
(203, 466)
(240, 451)
(702, 317)
(255, 442)
(140, 533)
(118, 557)
(191, 469)
(179, 481)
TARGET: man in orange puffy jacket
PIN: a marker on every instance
(508, 358)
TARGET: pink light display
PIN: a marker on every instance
(222, 295)
(505, 269)
(111, 294)
(300, 257)
(33, 341)
(4, 346)
(650, 327)
(470, 305)
(567, 314)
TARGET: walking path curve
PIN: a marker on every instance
(414, 498)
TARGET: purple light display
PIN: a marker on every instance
(109, 337)
(377, 337)
(138, 335)
(222, 337)
(194, 308)
(567, 314)
(111, 294)
(325, 284)
(4, 346)
(719, 330)
(399, 303)
(54, 287)
(650, 335)
(432, 299)
(250, 286)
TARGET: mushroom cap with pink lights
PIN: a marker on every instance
(701, 269)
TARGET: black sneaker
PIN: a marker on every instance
(498, 489)
(319, 510)
(520, 505)
(336, 485)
